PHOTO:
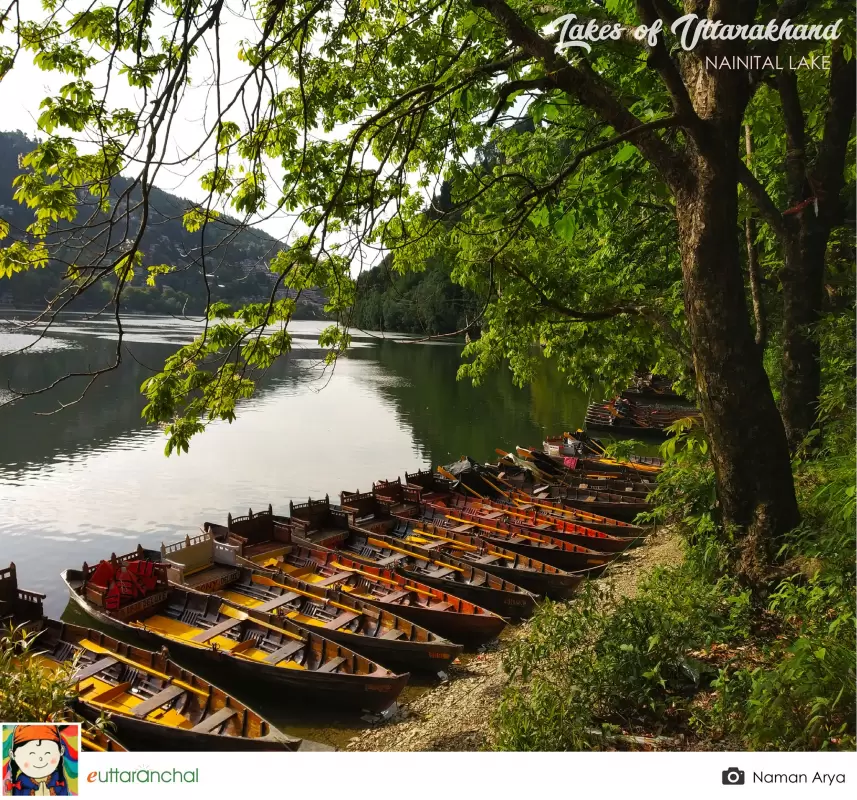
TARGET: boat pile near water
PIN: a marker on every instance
(334, 605)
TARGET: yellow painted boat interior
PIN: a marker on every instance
(119, 698)
(308, 575)
(235, 595)
(182, 632)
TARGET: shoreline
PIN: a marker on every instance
(456, 716)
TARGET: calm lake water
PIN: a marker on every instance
(93, 479)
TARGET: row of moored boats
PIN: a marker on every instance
(333, 605)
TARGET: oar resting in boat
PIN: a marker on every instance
(443, 613)
(152, 702)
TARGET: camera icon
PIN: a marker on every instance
(733, 777)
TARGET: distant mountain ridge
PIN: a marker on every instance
(239, 262)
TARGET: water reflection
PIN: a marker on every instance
(92, 478)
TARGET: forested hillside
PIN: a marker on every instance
(236, 263)
(425, 302)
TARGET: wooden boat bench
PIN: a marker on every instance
(393, 596)
(331, 665)
(486, 559)
(462, 528)
(276, 602)
(341, 620)
(441, 606)
(493, 515)
(329, 581)
(393, 633)
(284, 652)
(441, 572)
(433, 545)
(93, 669)
(157, 700)
(215, 720)
(385, 562)
(216, 630)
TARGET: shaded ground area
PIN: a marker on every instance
(456, 716)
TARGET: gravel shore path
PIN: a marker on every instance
(456, 715)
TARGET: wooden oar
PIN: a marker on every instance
(92, 745)
(452, 477)
(386, 546)
(266, 581)
(496, 530)
(243, 615)
(467, 547)
(379, 578)
(88, 644)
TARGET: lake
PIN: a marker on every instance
(92, 478)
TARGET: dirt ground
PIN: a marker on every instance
(456, 715)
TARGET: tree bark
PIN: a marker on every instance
(815, 191)
(753, 270)
(748, 443)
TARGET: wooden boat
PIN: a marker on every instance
(345, 618)
(96, 740)
(534, 576)
(146, 698)
(446, 573)
(534, 544)
(526, 516)
(555, 508)
(446, 614)
(263, 649)
(151, 701)
(653, 387)
(609, 504)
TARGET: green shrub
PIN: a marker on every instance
(28, 691)
(587, 666)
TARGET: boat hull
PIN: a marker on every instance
(149, 737)
(556, 586)
(412, 656)
(626, 512)
(511, 605)
(471, 630)
(592, 563)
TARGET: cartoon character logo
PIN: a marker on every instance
(40, 760)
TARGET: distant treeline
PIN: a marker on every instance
(425, 302)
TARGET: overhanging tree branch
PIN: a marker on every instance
(588, 88)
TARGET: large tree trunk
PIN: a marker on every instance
(802, 278)
(748, 443)
(814, 191)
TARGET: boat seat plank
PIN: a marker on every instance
(342, 619)
(390, 560)
(214, 721)
(442, 572)
(393, 596)
(432, 545)
(486, 559)
(216, 630)
(93, 669)
(441, 607)
(157, 700)
(393, 633)
(330, 666)
(493, 515)
(462, 528)
(284, 652)
(276, 602)
(329, 581)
